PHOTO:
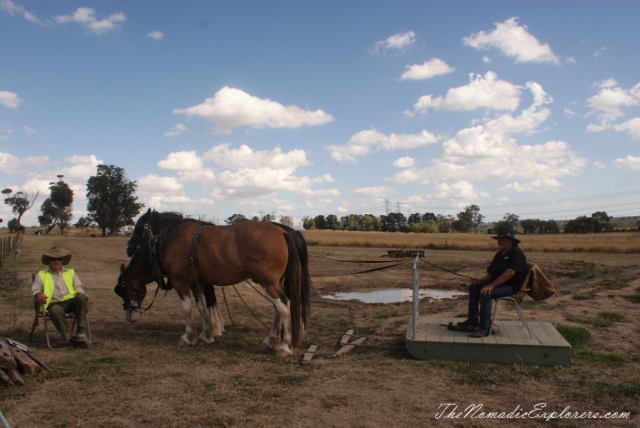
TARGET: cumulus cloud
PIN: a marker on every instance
(189, 167)
(155, 35)
(534, 186)
(459, 190)
(230, 108)
(630, 162)
(12, 8)
(374, 192)
(324, 178)
(10, 164)
(9, 99)
(607, 105)
(633, 126)
(489, 152)
(426, 70)
(482, 91)
(513, 40)
(86, 17)
(405, 162)
(398, 41)
(364, 142)
(244, 157)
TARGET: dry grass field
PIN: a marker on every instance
(135, 375)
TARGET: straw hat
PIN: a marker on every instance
(57, 253)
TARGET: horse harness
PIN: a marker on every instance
(154, 247)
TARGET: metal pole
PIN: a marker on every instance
(416, 298)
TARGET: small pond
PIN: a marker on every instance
(394, 295)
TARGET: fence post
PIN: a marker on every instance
(416, 298)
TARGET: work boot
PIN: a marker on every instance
(81, 336)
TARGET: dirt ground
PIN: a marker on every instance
(135, 375)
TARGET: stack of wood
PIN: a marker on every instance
(16, 360)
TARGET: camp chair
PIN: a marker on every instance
(515, 304)
(41, 314)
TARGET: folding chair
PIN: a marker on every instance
(40, 313)
(515, 304)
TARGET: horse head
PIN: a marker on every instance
(132, 291)
(141, 232)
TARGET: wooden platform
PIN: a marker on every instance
(511, 344)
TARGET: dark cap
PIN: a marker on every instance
(506, 232)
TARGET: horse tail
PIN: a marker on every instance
(297, 285)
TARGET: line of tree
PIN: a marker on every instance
(111, 203)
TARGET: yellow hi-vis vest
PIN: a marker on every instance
(46, 277)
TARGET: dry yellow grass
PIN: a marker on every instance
(617, 243)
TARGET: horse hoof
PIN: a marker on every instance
(203, 342)
(282, 353)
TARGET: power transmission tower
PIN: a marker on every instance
(398, 203)
(386, 204)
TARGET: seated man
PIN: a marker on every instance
(504, 278)
(60, 291)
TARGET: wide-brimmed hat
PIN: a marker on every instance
(506, 232)
(57, 253)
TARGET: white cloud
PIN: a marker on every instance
(9, 99)
(176, 130)
(363, 142)
(86, 17)
(398, 41)
(374, 192)
(486, 59)
(155, 35)
(188, 166)
(458, 190)
(633, 126)
(534, 186)
(487, 91)
(230, 108)
(607, 103)
(426, 70)
(10, 164)
(154, 184)
(570, 112)
(405, 162)
(488, 152)
(245, 157)
(599, 52)
(29, 131)
(325, 178)
(11, 8)
(513, 40)
(599, 165)
(570, 60)
(631, 162)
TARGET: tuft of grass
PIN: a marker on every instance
(612, 316)
(600, 358)
(387, 313)
(529, 304)
(618, 390)
(582, 296)
(577, 337)
(582, 274)
(613, 285)
(596, 322)
(633, 298)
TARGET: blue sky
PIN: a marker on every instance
(300, 108)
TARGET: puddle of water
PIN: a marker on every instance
(394, 295)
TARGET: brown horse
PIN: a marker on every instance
(192, 253)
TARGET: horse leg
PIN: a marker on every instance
(218, 321)
(212, 307)
(190, 332)
(207, 334)
(280, 335)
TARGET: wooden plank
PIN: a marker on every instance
(306, 359)
(446, 335)
(346, 337)
(541, 334)
(349, 347)
(555, 335)
(514, 334)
